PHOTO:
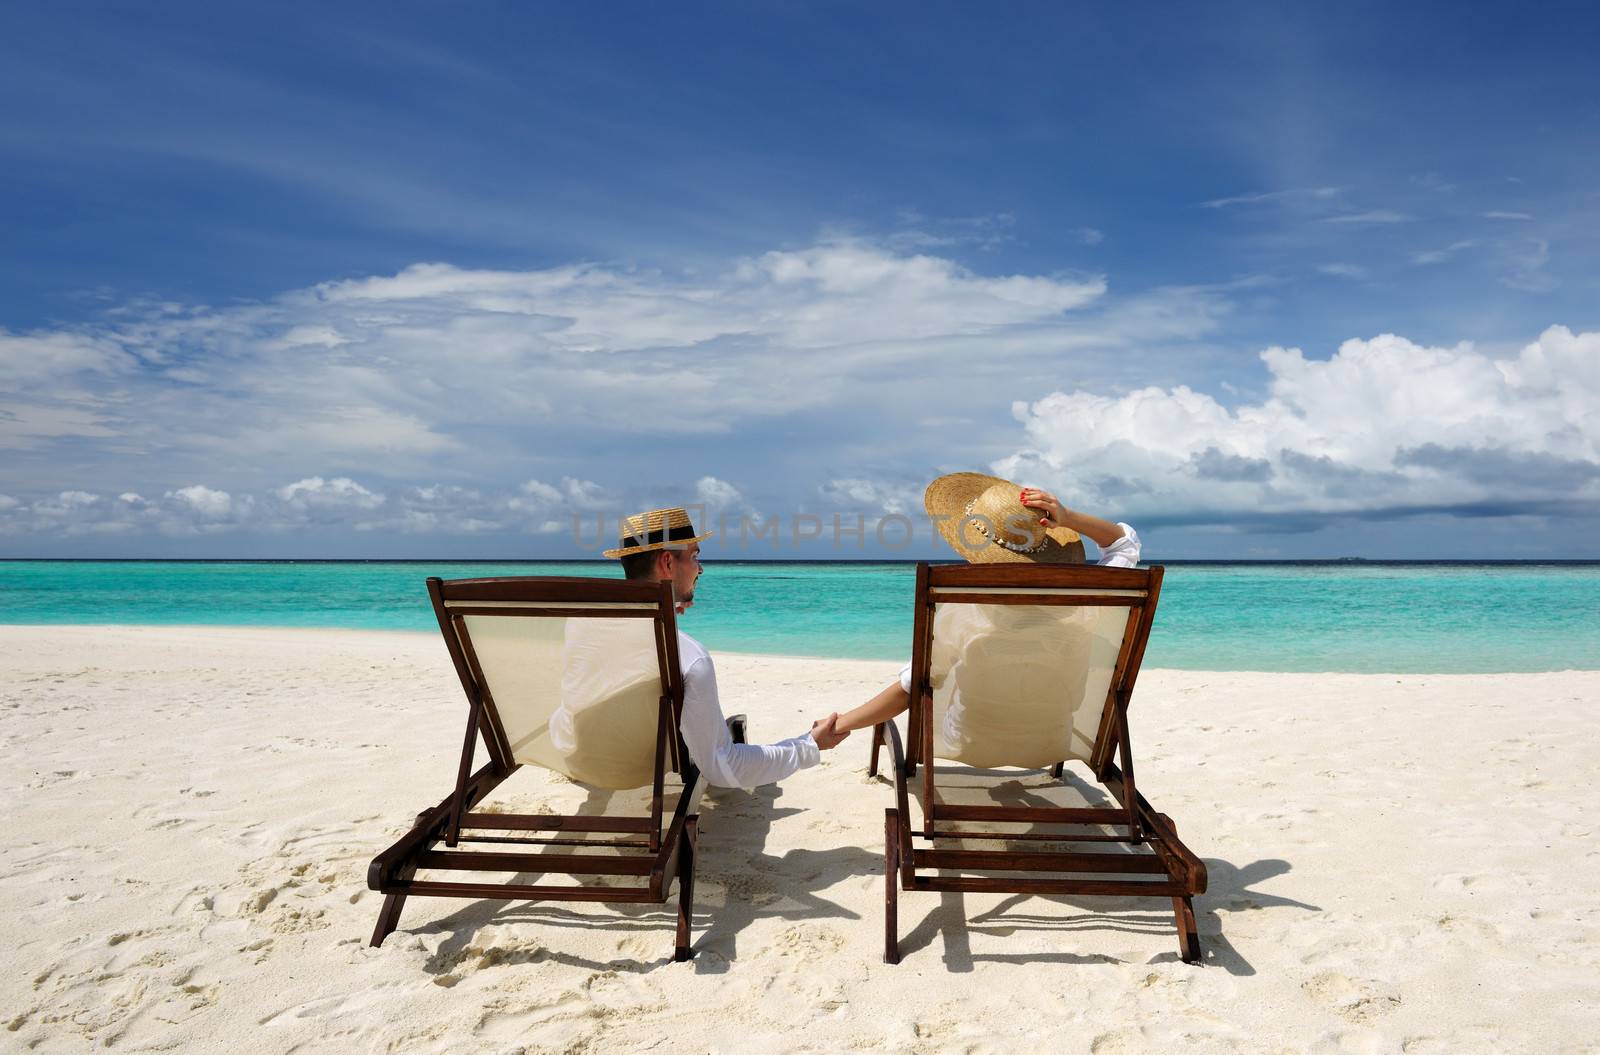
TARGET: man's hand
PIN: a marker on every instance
(825, 734)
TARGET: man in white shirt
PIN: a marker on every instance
(661, 545)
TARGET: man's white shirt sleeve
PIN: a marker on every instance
(721, 761)
(1123, 553)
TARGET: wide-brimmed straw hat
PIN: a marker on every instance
(984, 520)
(657, 529)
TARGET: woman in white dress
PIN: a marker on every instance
(990, 520)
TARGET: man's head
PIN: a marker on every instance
(661, 546)
(679, 565)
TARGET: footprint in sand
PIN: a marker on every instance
(261, 948)
(1119, 1042)
(1355, 1000)
(807, 942)
(1468, 925)
(505, 1018)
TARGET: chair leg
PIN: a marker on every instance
(388, 918)
(877, 743)
(393, 905)
(1057, 769)
(891, 886)
(1188, 932)
(680, 950)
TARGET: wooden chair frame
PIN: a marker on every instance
(1151, 838)
(644, 850)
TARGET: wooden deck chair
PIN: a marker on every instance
(580, 676)
(1029, 666)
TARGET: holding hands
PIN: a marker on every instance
(826, 733)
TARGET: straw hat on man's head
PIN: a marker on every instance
(984, 520)
(657, 529)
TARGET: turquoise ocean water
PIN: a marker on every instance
(1366, 617)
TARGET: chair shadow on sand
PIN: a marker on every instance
(1229, 890)
(740, 883)
(737, 883)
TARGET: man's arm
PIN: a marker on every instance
(721, 761)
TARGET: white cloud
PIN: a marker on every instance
(302, 336)
(586, 494)
(1311, 193)
(1343, 270)
(203, 500)
(1088, 235)
(1499, 215)
(1436, 256)
(1528, 262)
(1374, 216)
(550, 510)
(1384, 425)
(339, 502)
(340, 491)
(186, 511)
(47, 356)
(442, 373)
(873, 497)
(986, 232)
(541, 493)
(717, 495)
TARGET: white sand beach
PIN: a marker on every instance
(1397, 863)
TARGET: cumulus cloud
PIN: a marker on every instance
(438, 366)
(873, 497)
(549, 509)
(185, 511)
(443, 400)
(1383, 427)
(445, 509)
(716, 495)
(340, 492)
(204, 500)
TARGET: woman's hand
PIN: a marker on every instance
(1045, 502)
(1103, 532)
(826, 733)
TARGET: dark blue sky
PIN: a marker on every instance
(853, 246)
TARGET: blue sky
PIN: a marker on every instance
(417, 280)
